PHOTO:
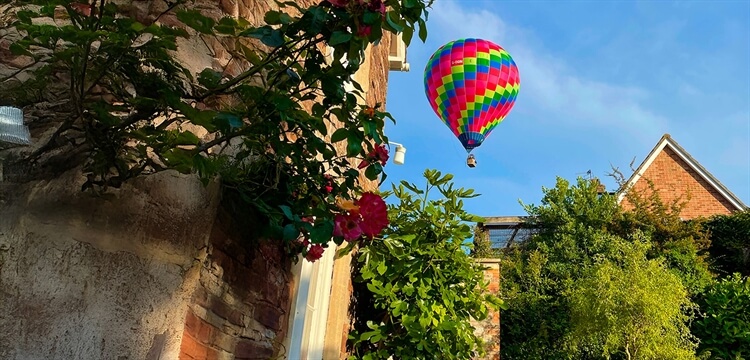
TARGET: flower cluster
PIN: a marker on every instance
(368, 216)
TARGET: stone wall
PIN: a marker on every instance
(241, 304)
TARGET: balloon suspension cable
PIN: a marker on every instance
(471, 161)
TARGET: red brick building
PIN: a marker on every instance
(678, 176)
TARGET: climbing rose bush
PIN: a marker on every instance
(358, 221)
(131, 108)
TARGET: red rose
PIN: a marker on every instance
(374, 214)
(378, 154)
(364, 30)
(329, 184)
(315, 252)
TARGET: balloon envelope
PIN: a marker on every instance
(471, 84)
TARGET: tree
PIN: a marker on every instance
(577, 230)
(682, 244)
(417, 289)
(121, 104)
(630, 305)
(730, 242)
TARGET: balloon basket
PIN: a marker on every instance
(471, 161)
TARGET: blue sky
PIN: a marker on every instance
(601, 82)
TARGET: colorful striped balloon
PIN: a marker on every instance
(471, 84)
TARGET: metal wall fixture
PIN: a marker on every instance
(398, 158)
(12, 129)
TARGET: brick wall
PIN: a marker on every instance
(489, 329)
(241, 306)
(673, 178)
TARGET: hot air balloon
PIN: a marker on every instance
(471, 84)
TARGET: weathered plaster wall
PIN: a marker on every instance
(100, 278)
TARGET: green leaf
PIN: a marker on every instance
(372, 171)
(179, 159)
(187, 138)
(227, 122)
(25, 16)
(412, 187)
(339, 37)
(381, 268)
(290, 232)
(287, 211)
(314, 19)
(267, 35)
(422, 30)
(196, 20)
(272, 17)
(410, 4)
(322, 232)
(392, 19)
(345, 250)
(408, 33)
(227, 26)
(18, 50)
(354, 144)
(276, 18)
(209, 78)
(371, 17)
(339, 135)
(138, 27)
(204, 118)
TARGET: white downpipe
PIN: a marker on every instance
(299, 307)
(319, 300)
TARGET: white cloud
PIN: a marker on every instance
(550, 84)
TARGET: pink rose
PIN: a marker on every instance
(347, 226)
(374, 214)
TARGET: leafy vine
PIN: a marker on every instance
(126, 105)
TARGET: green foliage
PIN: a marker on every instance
(421, 286)
(574, 225)
(730, 242)
(578, 231)
(131, 108)
(629, 305)
(482, 245)
(724, 328)
(682, 244)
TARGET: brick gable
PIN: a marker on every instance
(677, 176)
